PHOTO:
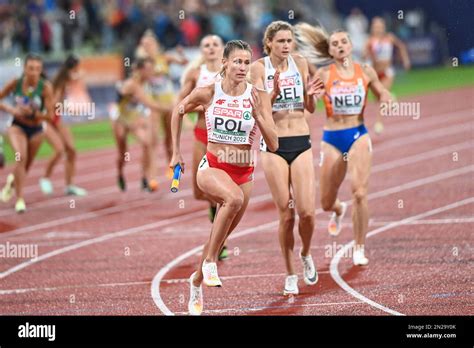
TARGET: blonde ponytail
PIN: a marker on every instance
(312, 43)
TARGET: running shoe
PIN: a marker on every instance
(20, 206)
(335, 224)
(291, 285)
(310, 274)
(121, 183)
(211, 278)
(359, 258)
(152, 185)
(7, 191)
(378, 128)
(196, 303)
(223, 254)
(46, 186)
(75, 191)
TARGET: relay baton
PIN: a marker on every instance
(176, 178)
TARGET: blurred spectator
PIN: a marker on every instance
(357, 26)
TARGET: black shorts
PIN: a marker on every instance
(28, 130)
(289, 148)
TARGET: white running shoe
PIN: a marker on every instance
(20, 206)
(209, 271)
(7, 191)
(335, 224)
(359, 258)
(310, 274)
(196, 303)
(75, 191)
(46, 186)
(291, 285)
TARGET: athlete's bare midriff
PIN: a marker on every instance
(290, 124)
(337, 122)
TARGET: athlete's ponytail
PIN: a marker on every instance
(313, 43)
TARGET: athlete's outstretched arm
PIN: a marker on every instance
(48, 96)
(131, 87)
(6, 91)
(199, 96)
(262, 112)
(402, 48)
(382, 94)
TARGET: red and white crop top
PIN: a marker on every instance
(229, 119)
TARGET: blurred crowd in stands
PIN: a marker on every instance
(60, 26)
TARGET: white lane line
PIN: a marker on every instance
(56, 288)
(242, 276)
(102, 238)
(167, 281)
(429, 222)
(410, 139)
(256, 309)
(157, 279)
(95, 158)
(184, 193)
(333, 268)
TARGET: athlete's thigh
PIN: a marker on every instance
(303, 182)
(217, 184)
(333, 167)
(66, 135)
(18, 141)
(277, 174)
(360, 161)
(53, 138)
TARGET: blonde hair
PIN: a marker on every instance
(270, 32)
(313, 43)
(199, 60)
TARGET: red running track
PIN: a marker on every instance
(131, 253)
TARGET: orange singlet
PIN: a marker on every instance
(345, 96)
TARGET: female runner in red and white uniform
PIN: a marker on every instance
(346, 144)
(290, 170)
(203, 72)
(379, 49)
(234, 109)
